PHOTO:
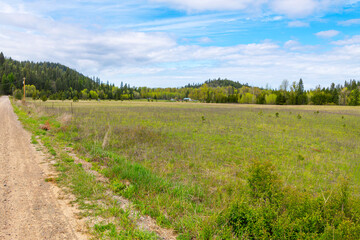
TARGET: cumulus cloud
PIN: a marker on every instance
(349, 22)
(294, 8)
(291, 43)
(327, 34)
(261, 63)
(350, 41)
(298, 24)
(27, 36)
(294, 45)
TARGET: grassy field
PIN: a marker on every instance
(189, 165)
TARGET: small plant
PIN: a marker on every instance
(129, 191)
(299, 116)
(117, 186)
(33, 140)
(52, 152)
(95, 166)
(277, 114)
(264, 181)
(68, 160)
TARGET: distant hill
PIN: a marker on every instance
(51, 77)
(218, 83)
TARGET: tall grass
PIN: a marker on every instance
(188, 162)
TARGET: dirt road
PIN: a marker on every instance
(30, 208)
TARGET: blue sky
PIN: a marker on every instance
(169, 43)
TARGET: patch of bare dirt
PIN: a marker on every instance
(30, 207)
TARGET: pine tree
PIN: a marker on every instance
(2, 59)
(300, 93)
(5, 85)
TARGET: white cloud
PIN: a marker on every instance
(13, 8)
(327, 34)
(31, 37)
(205, 40)
(294, 45)
(298, 24)
(185, 23)
(290, 8)
(350, 41)
(156, 59)
(349, 22)
(277, 18)
(291, 43)
(294, 8)
(203, 5)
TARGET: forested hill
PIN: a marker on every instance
(45, 76)
(218, 83)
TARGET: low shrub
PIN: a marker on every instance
(275, 211)
(17, 94)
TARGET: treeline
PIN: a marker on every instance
(217, 83)
(287, 94)
(55, 81)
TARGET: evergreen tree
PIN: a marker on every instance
(300, 94)
(5, 85)
(2, 59)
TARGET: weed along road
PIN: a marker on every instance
(30, 208)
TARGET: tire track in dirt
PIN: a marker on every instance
(30, 208)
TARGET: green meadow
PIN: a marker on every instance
(224, 171)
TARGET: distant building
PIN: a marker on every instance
(187, 99)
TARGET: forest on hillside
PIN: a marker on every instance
(46, 80)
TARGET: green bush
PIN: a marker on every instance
(264, 182)
(44, 98)
(274, 211)
(17, 94)
(34, 95)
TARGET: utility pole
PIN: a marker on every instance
(24, 89)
